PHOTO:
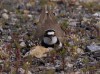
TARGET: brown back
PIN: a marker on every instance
(48, 21)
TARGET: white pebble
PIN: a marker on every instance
(22, 71)
(77, 72)
(9, 37)
(1, 28)
(1, 61)
(30, 16)
(69, 65)
(5, 16)
(22, 44)
(80, 51)
(5, 10)
(28, 5)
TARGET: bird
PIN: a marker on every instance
(51, 40)
(48, 31)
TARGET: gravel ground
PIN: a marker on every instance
(18, 22)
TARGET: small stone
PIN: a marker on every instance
(62, 72)
(50, 68)
(9, 37)
(80, 51)
(85, 19)
(97, 14)
(22, 44)
(5, 16)
(77, 72)
(57, 66)
(22, 71)
(5, 10)
(26, 11)
(28, 5)
(1, 61)
(30, 16)
(71, 43)
(70, 65)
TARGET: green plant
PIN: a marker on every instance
(7, 66)
(26, 67)
(64, 25)
(43, 2)
(49, 72)
(62, 53)
(18, 55)
(53, 54)
(91, 6)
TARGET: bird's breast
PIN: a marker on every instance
(50, 41)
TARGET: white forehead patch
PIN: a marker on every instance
(50, 33)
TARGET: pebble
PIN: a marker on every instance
(78, 72)
(5, 10)
(9, 37)
(80, 51)
(22, 71)
(70, 65)
(5, 16)
(50, 68)
(62, 72)
(28, 5)
(22, 44)
(26, 12)
(30, 16)
(1, 61)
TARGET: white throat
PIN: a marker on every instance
(49, 41)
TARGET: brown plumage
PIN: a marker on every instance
(48, 21)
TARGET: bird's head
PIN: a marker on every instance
(50, 37)
(49, 33)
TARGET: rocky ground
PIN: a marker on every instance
(18, 21)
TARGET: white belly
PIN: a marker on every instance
(49, 41)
